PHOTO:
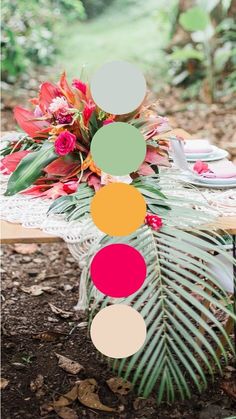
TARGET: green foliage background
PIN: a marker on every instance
(28, 32)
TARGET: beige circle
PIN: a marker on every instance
(118, 331)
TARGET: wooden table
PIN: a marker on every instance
(16, 233)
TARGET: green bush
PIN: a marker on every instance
(28, 32)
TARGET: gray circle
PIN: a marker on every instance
(118, 87)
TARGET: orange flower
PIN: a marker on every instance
(89, 164)
(56, 130)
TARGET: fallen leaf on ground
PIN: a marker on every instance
(49, 336)
(25, 249)
(37, 386)
(36, 290)
(229, 387)
(67, 413)
(60, 312)
(87, 395)
(119, 386)
(68, 364)
(82, 324)
(63, 401)
(3, 383)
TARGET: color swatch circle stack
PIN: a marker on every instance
(118, 209)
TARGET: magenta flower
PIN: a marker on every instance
(64, 118)
(107, 121)
(201, 167)
(153, 221)
(78, 84)
(65, 143)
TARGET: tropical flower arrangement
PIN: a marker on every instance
(54, 158)
(180, 295)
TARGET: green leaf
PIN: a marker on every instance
(74, 206)
(185, 54)
(194, 19)
(30, 169)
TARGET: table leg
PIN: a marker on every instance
(234, 278)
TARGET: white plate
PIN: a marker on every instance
(214, 181)
(209, 185)
(198, 156)
(216, 154)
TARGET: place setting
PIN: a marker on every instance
(202, 164)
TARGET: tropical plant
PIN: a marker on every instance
(210, 49)
(184, 337)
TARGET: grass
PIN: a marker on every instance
(130, 30)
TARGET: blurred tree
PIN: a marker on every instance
(28, 32)
(94, 7)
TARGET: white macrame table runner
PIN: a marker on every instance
(82, 236)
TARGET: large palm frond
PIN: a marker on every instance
(183, 333)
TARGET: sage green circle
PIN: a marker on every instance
(118, 87)
(118, 148)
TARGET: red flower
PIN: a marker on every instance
(47, 93)
(87, 112)
(200, 167)
(27, 122)
(66, 90)
(78, 84)
(65, 143)
(70, 187)
(10, 162)
(153, 221)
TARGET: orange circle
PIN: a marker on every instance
(118, 209)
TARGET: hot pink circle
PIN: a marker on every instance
(118, 270)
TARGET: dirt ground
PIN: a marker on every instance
(32, 333)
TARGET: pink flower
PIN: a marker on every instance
(37, 112)
(94, 181)
(58, 104)
(200, 167)
(65, 143)
(153, 221)
(60, 109)
(78, 84)
(107, 121)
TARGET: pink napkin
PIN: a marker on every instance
(221, 170)
(197, 146)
